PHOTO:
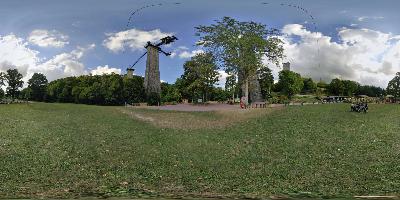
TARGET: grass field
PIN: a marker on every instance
(66, 150)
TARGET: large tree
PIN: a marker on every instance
(38, 86)
(309, 85)
(336, 87)
(201, 72)
(14, 82)
(241, 46)
(266, 80)
(393, 87)
(350, 87)
(290, 83)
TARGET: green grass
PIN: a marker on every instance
(65, 150)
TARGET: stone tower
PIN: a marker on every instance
(286, 66)
(152, 82)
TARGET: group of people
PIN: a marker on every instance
(359, 107)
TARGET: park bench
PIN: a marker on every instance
(259, 105)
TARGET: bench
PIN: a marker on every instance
(259, 104)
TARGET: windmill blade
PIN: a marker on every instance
(137, 60)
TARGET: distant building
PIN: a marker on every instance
(286, 66)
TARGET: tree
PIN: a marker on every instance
(231, 86)
(336, 87)
(14, 82)
(201, 72)
(1, 93)
(393, 87)
(2, 79)
(25, 94)
(38, 86)
(266, 80)
(370, 90)
(309, 85)
(290, 83)
(170, 93)
(241, 46)
(350, 87)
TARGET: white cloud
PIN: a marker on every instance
(134, 39)
(222, 78)
(363, 55)
(364, 18)
(47, 38)
(105, 70)
(15, 54)
(189, 54)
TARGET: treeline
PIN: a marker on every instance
(114, 89)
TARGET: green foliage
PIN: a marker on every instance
(200, 74)
(370, 90)
(112, 89)
(153, 99)
(350, 87)
(336, 87)
(133, 90)
(266, 80)
(343, 87)
(309, 86)
(14, 82)
(3, 79)
(170, 93)
(38, 86)
(240, 46)
(231, 85)
(26, 94)
(1, 93)
(219, 94)
(393, 87)
(290, 83)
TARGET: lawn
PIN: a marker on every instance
(67, 150)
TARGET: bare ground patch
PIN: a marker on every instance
(195, 120)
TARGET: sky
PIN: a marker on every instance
(350, 39)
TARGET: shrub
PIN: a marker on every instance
(153, 99)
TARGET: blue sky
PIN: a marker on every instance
(62, 38)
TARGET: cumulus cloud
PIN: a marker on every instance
(363, 55)
(64, 64)
(133, 39)
(105, 70)
(183, 52)
(48, 38)
(16, 54)
(187, 54)
(222, 78)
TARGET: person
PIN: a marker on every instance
(243, 103)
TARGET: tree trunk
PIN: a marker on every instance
(246, 91)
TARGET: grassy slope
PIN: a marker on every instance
(63, 150)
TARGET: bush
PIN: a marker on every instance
(1, 94)
(153, 99)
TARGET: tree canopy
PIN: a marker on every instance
(14, 82)
(240, 47)
(290, 82)
(38, 86)
(393, 87)
(201, 73)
